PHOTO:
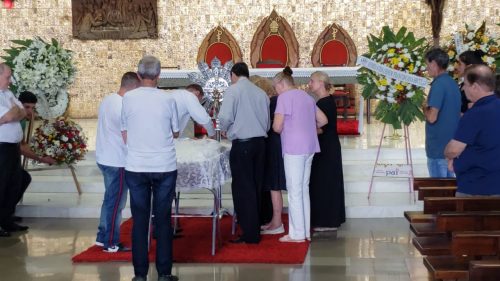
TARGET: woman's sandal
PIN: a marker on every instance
(287, 238)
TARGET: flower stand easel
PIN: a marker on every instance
(394, 170)
(29, 133)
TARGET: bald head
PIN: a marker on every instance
(3, 67)
(482, 75)
(479, 81)
(5, 74)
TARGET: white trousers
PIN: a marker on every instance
(297, 172)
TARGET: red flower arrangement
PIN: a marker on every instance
(62, 139)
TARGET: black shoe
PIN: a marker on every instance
(168, 278)
(4, 233)
(13, 227)
(139, 278)
(237, 241)
(17, 219)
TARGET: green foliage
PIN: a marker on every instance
(399, 102)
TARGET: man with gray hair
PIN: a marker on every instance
(11, 135)
(475, 149)
(149, 124)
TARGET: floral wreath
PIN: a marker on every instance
(62, 139)
(46, 69)
(474, 39)
(399, 102)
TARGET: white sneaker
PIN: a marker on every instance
(117, 248)
(100, 244)
(279, 230)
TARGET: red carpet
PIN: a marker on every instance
(195, 246)
(347, 127)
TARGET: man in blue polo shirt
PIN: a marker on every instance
(442, 113)
(474, 151)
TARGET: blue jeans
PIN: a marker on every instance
(115, 199)
(163, 187)
(438, 168)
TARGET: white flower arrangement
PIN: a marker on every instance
(474, 39)
(46, 69)
(399, 102)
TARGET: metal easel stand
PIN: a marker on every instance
(409, 162)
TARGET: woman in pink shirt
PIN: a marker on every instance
(296, 118)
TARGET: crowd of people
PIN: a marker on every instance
(462, 138)
(283, 139)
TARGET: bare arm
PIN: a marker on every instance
(454, 148)
(28, 152)
(15, 114)
(321, 119)
(431, 114)
(278, 123)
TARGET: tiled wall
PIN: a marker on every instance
(184, 23)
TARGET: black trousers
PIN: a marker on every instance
(10, 180)
(247, 168)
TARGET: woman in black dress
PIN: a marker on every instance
(274, 178)
(326, 187)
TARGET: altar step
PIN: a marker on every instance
(53, 192)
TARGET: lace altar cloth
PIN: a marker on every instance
(202, 163)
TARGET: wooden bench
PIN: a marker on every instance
(484, 270)
(433, 205)
(436, 191)
(447, 222)
(440, 244)
(421, 182)
(465, 247)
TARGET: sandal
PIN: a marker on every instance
(287, 238)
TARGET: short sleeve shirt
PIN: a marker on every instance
(445, 96)
(9, 132)
(478, 166)
(299, 135)
(149, 116)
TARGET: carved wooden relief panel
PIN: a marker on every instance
(114, 19)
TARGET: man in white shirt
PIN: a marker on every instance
(11, 135)
(110, 156)
(188, 105)
(149, 125)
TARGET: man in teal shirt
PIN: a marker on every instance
(442, 113)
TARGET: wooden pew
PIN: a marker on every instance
(484, 270)
(430, 187)
(434, 205)
(436, 191)
(447, 222)
(419, 182)
(465, 246)
(440, 245)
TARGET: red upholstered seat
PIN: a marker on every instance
(334, 53)
(274, 52)
(220, 50)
